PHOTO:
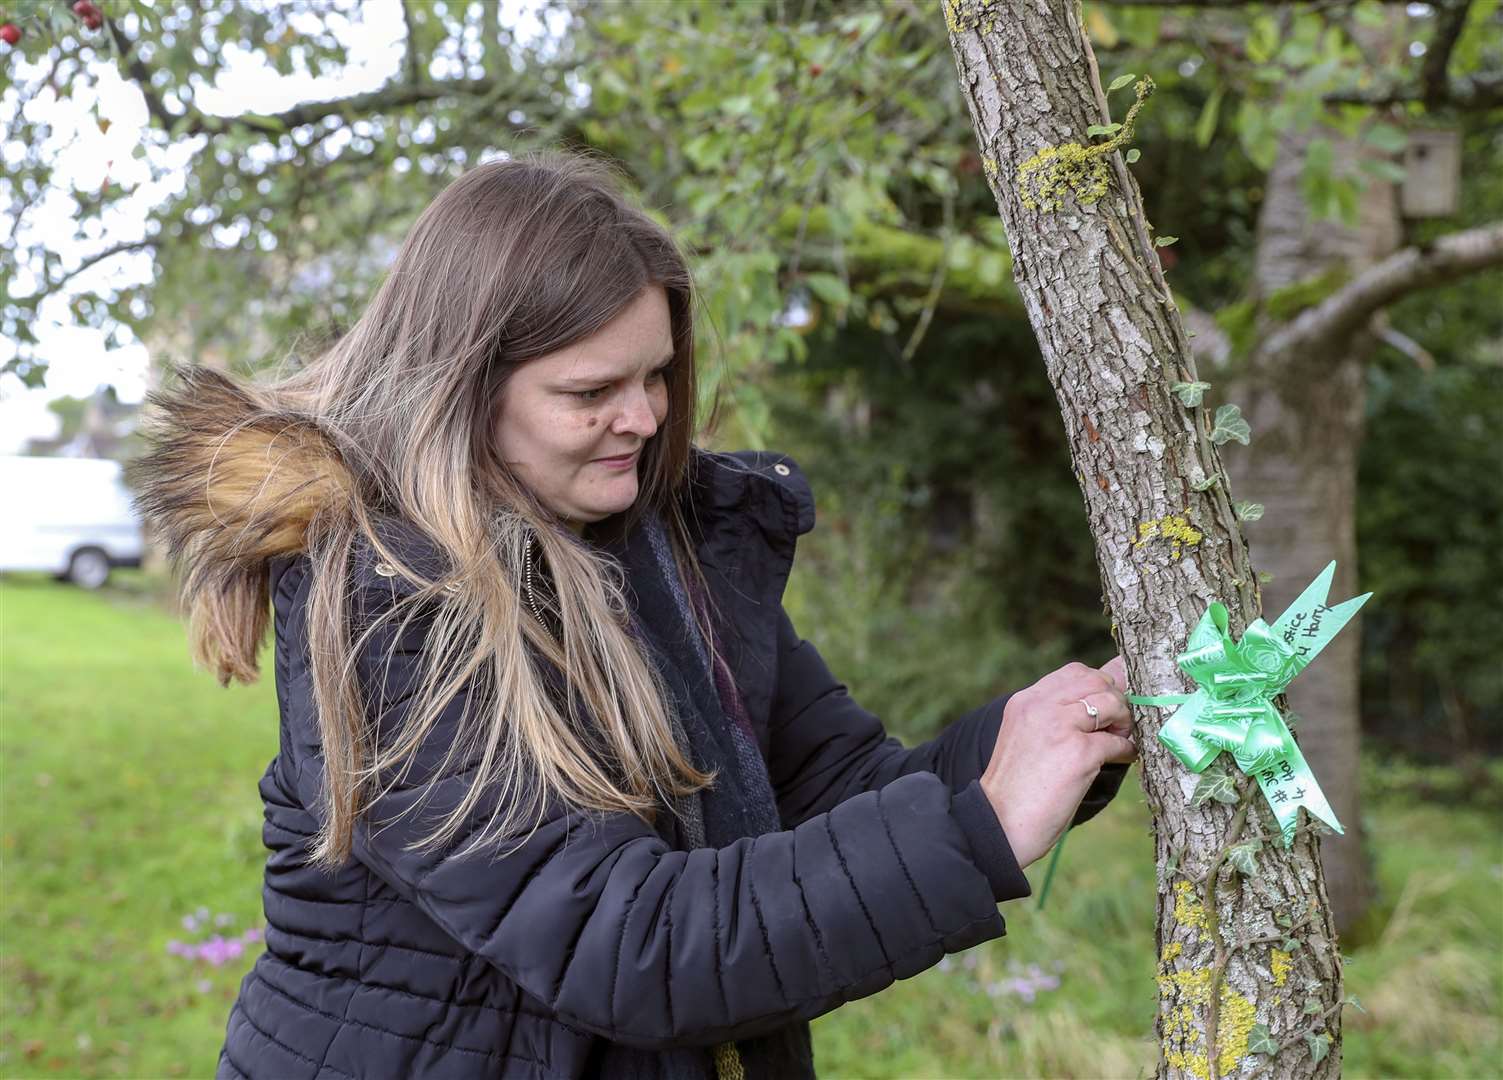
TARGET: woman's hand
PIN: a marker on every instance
(1050, 748)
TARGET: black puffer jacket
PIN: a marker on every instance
(401, 965)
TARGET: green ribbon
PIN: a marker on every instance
(1233, 708)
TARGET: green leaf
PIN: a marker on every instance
(829, 288)
(1259, 1041)
(1215, 783)
(1320, 1046)
(1354, 1003)
(1283, 919)
(1289, 944)
(1205, 127)
(1387, 138)
(1229, 425)
(1164, 241)
(1248, 511)
(1384, 169)
(1120, 81)
(1133, 155)
(1103, 129)
(1243, 857)
(1206, 485)
(1190, 393)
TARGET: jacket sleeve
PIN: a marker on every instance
(825, 748)
(615, 932)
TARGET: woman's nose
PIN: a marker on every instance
(637, 416)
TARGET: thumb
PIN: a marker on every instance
(1114, 747)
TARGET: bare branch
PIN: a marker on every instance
(1408, 271)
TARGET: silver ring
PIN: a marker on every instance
(1090, 709)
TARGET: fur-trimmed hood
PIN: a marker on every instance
(230, 480)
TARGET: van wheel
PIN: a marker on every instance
(89, 568)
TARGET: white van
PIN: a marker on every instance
(70, 516)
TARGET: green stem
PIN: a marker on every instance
(1053, 864)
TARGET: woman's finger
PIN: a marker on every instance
(1115, 747)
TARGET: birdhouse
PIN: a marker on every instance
(1432, 173)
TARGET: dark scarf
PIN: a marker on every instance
(713, 727)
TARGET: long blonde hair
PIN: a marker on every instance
(515, 259)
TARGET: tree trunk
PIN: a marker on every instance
(1113, 344)
(1306, 414)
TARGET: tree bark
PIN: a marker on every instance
(1113, 343)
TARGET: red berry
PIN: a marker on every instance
(10, 33)
(83, 8)
(816, 70)
(94, 21)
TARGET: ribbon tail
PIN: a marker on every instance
(1286, 795)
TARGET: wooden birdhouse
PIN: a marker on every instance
(1432, 173)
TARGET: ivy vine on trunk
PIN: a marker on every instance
(1249, 976)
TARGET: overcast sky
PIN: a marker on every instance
(80, 360)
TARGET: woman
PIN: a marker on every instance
(560, 790)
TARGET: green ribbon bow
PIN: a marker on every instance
(1233, 710)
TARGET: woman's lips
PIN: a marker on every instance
(619, 462)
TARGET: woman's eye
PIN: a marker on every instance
(587, 395)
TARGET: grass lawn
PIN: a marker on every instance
(129, 806)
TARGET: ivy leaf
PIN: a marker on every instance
(1283, 920)
(1164, 241)
(1354, 1003)
(1243, 857)
(1206, 485)
(1248, 511)
(1120, 81)
(1260, 1042)
(1190, 393)
(1215, 783)
(1133, 155)
(1289, 944)
(1230, 425)
(1312, 1007)
(1103, 129)
(1320, 1046)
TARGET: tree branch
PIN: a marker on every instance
(1402, 273)
(386, 98)
(1468, 93)
(413, 76)
(1449, 22)
(90, 260)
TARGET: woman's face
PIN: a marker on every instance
(563, 413)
